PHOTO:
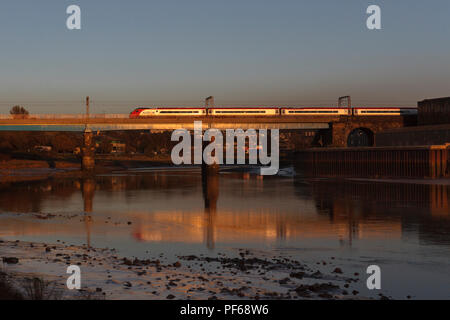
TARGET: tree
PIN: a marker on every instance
(19, 112)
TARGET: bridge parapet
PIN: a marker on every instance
(64, 116)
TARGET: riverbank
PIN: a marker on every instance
(12, 170)
(105, 275)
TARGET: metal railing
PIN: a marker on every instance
(377, 162)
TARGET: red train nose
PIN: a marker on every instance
(134, 114)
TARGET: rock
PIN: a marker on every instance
(189, 258)
(98, 289)
(298, 275)
(10, 260)
(305, 290)
(337, 270)
(355, 292)
(177, 264)
(127, 284)
(48, 249)
(170, 297)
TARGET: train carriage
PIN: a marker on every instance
(167, 112)
(244, 111)
(384, 111)
(315, 111)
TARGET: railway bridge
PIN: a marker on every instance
(336, 131)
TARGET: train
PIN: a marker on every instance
(145, 112)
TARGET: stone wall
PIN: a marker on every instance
(341, 130)
(415, 136)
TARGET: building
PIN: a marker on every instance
(434, 111)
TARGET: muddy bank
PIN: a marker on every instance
(105, 275)
(23, 169)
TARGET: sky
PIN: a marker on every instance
(243, 52)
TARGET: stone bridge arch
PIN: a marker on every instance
(361, 131)
(361, 137)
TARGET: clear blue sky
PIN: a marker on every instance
(240, 51)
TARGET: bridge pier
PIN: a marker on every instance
(88, 151)
(209, 169)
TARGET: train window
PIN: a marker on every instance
(171, 112)
(379, 111)
(239, 111)
(314, 111)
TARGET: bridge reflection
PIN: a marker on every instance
(210, 185)
(171, 207)
(88, 192)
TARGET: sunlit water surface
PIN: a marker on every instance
(402, 227)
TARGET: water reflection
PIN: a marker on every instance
(88, 191)
(183, 207)
(408, 208)
(210, 185)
